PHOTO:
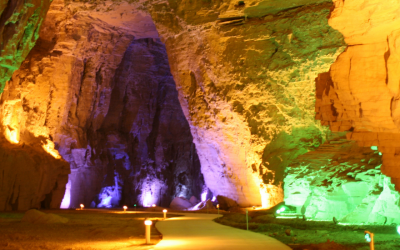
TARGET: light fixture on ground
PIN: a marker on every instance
(369, 237)
(125, 208)
(280, 210)
(82, 206)
(218, 208)
(165, 213)
(147, 224)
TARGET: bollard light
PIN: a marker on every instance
(369, 237)
(154, 205)
(125, 208)
(82, 206)
(165, 213)
(135, 207)
(254, 207)
(148, 225)
(218, 208)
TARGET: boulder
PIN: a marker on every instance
(194, 200)
(180, 203)
(225, 203)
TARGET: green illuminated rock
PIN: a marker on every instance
(342, 180)
(19, 29)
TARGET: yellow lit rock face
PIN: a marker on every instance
(97, 90)
(361, 91)
(244, 76)
(246, 86)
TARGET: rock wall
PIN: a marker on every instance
(30, 178)
(361, 91)
(245, 76)
(342, 180)
(97, 91)
(19, 29)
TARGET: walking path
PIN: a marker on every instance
(198, 232)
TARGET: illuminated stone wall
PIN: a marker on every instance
(245, 77)
(342, 180)
(19, 29)
(97, 91)
(361, 91)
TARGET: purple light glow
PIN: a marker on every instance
(204, 195)
(67, 196)
(147, 199)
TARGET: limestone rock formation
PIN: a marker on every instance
(19, 29)
(361, 91)
(245, 75)
(342, 180)
(97, 91)
(30, 178)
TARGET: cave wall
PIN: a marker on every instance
(360, 92)
(343, 180)
(243, 73)
(96, 90)
(245, 77)
(20, 23)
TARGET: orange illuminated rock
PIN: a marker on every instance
(360, 93)
(98, 91)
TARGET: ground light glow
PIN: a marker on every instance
(280, 210)
(148, 232)
(12, 136)
(398, 229)
(165, 213)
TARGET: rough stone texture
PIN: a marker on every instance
(342, 180)
(30, 178)
(361, 91)
(246, 86)
(97, 90)
(20, 22)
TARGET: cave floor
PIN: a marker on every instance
(86, 229)
(197, 231)
(315, 235)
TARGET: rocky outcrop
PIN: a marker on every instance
(97, 91)
(19, 29)
(360, 93)
(245, 75)
(30, 177)
(342, 180)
